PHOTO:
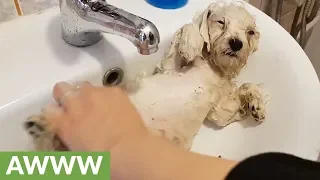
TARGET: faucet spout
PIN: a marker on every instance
(84, 21)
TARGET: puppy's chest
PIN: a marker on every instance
(164, 97)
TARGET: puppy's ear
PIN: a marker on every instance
(255, 49)
(255, 42)
(202, 22)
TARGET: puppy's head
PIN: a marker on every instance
(230, 34)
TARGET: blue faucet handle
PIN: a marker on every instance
(168, 4)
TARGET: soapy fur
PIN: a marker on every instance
(193, 82)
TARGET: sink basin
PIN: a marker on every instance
(34, 57)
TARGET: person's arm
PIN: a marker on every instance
(275, 166)
(135, 154)
(156, 159)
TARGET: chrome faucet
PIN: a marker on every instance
(83, 21)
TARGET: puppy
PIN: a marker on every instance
(192, 83)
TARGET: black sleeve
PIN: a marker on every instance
(275, 166)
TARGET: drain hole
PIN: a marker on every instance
(112, 77)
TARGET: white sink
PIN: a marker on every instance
(34, 57)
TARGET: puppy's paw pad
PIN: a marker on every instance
(252, 101)
(257, 110)
(34, 126)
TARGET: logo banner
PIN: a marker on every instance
(54, 165)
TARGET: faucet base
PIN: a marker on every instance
(83, 21)
(82, 39)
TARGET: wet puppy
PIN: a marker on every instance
(193, 82)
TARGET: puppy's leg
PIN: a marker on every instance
(186, 46)
(191, 43)
(171, 60)
(43, 138)
(237, 104)
(252, 101)
(227, 108)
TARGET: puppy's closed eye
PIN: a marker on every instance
(221, 22)
(251, 32)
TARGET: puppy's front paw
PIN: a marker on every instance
(257, 109)
(35, 126)
(43, 138)
(252, 101)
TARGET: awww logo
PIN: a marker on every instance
(53, 165)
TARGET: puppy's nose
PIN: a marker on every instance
(235, 44)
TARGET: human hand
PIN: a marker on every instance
(93, 118)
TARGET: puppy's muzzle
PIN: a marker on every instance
(235, 44)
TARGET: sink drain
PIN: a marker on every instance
(112, 77)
